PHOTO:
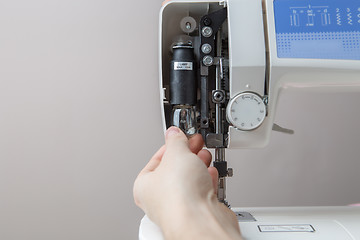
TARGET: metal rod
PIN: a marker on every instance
(204, 105)
(218, 112)
(219, 152)
(221, 191)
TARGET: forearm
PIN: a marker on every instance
(176, 190)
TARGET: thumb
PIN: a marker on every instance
(176, 141)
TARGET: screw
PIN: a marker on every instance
(218, 96)
(207, 31)
(188, 26)
(208, 60)
(230, 172)
(207, 21)
(206, 48)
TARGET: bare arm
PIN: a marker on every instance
(176, 189)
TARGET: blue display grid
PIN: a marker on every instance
(322, 45)
(318, 29)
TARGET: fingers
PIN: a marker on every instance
(154, 161)
(355, 205)
(205, 156)
(214, 176)
(196, 143)
(176, 142)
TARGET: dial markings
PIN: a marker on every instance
(246, 111)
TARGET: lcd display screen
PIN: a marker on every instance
(318, 29)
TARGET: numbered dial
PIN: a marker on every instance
(246, 111)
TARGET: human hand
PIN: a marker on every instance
(176, 189)
(175, 170)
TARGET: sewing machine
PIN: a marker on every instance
(223, 66)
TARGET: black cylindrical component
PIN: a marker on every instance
(221, 167)
(183, 82)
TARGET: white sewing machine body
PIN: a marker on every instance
(287, 223)
(264, 58)
(272, 45)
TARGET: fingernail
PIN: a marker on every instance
(172, 131)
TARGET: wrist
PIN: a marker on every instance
(202, 219)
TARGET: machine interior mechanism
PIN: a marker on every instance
(196, 79)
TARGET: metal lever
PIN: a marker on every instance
(278, 128)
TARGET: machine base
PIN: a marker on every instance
(290, 223)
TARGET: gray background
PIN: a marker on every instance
(80, 116)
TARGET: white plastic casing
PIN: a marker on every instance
(247, 51)
(247, 62)
(318, 75)
(295, 223)
(251, 36)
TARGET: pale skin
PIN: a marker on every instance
(177, 191)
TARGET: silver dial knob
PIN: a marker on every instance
(246, 111)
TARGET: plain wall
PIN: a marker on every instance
(80, 116)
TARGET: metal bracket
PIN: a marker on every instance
(214, 140)
(245, 217)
